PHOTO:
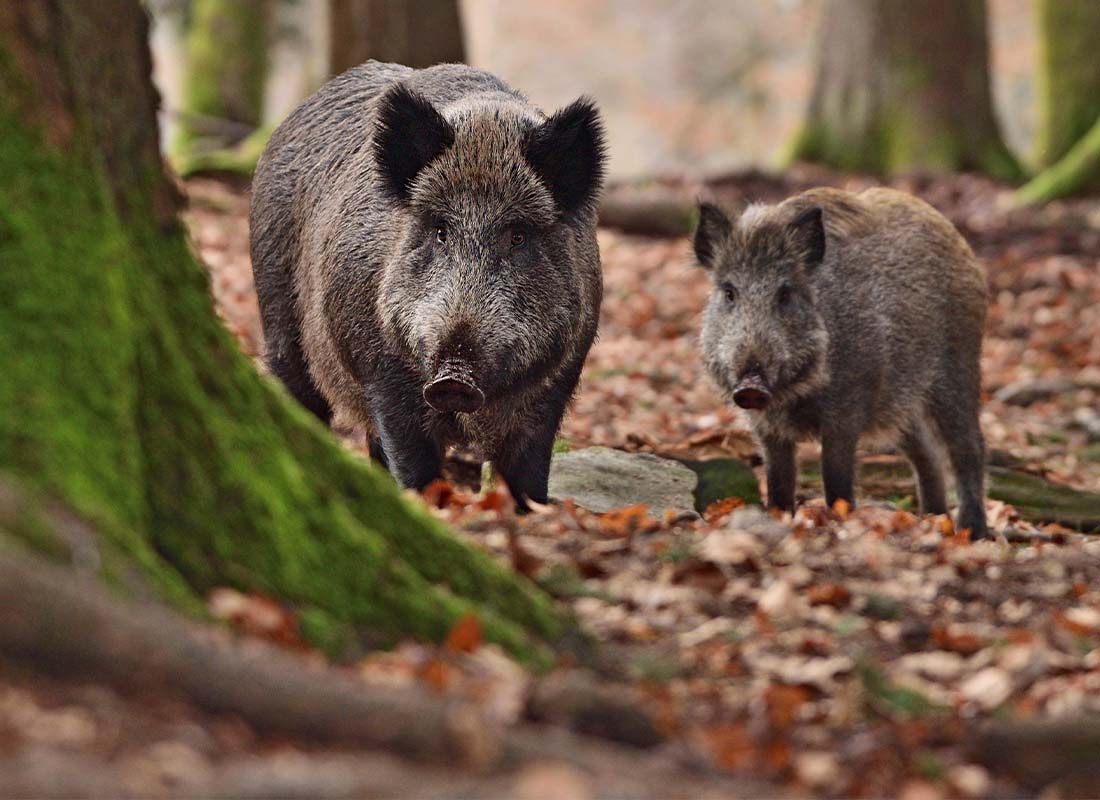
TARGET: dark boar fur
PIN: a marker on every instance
(841, 316)
(424, 247)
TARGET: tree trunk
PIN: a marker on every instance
(1069, 100)
(1069, 74)
(227, 52)
(416, 33)
(903, 85)
(1078, 170)
(122, 394)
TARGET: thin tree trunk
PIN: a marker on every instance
(1078, 170)
(1069, 100)
(122, 393)
(1069, 74)
(903, 85)
(416, 33)
(227, 63)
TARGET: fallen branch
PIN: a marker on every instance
(58, 621)
(647, 215)
(65, 626)
(1039, 753)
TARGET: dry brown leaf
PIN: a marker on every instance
(731, 745)
(829, 594)
(465, 635)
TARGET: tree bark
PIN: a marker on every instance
(416, 33)
(122, 394)
(903, 85)
(1078, 170)
(1069, 100)
(1069, 75)
(227, 63)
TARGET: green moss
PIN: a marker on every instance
(240, 159)
(897, 143)
(1068, 75)
(1039, 500)
(883, 697)
(719, 478)
(1078, 170)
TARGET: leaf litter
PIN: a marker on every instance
(842, 651)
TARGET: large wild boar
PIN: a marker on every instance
(424, 248)
(842, 316)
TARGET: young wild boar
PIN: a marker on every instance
(424, 248)
(839, 316)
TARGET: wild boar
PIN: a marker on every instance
(841, 316)
(424, 249)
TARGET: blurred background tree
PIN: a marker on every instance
(698, 86)
(1068, 74)
(227, 50)
(1068, 140)
(903, 85)
(417, 33)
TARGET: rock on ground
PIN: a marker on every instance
(601, 479)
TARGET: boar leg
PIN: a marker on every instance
(957, 419)
(523, 460)
(377, 453)
(779, 460)
(413, 457)
(286, 362)
(919, 448)
(526, 467)
(838, 464)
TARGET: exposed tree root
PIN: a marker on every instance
(62, 623)
(647, 215)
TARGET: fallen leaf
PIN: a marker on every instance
(783, 702)
(465, 636)
(721, 508)
(829, 594)
(730, 744)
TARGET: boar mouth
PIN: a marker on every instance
(752, 392)
(453, 389)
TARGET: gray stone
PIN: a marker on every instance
(601, 479)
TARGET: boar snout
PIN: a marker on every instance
(752, 391)
(453, 389)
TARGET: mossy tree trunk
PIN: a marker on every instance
(903, 85)
(416, 33)
(1069, 100)
(1078, 170)
(1069, 74)
(226, 47)
(123, 395)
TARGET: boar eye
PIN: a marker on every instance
(783, 296)
(441, 234)
(729, 292)
(518, 238)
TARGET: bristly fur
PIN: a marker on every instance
(568, 153)
(385, 212)
(864, 314)
(411, 134)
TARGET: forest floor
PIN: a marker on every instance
(840, 652)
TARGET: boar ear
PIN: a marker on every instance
(712, 229)
(568, 154)
(411, 134)
(808, 235)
